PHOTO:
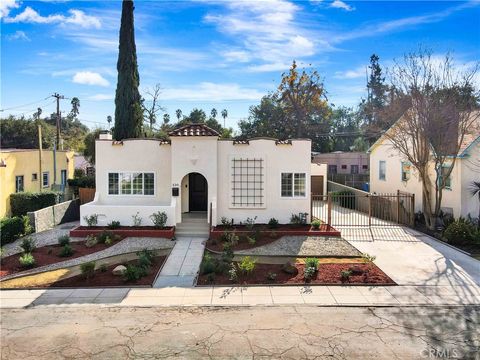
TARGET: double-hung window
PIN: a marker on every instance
(382, 170)
(406, 171)
(293, 184)
(131, 183)
(45, 179)
(443, 177)
(19, 184)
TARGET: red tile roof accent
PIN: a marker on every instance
(194, 130)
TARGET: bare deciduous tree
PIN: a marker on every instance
(443, 108)
(153, 108)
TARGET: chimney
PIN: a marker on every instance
(105, 135)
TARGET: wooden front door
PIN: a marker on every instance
(197, 192)
(317, 185)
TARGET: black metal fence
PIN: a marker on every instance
(364, 209)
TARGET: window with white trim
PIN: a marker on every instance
(247, 181)
(382, 170)
(293, 184)
(45, 179)
(131, 183)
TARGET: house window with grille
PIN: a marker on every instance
(131, 183)
(247, 181)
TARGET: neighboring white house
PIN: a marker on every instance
(390, 171)
(197, 171)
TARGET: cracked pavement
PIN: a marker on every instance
(285, 332)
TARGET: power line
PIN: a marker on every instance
(24, 105)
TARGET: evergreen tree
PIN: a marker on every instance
(128, 109)
(377, 93)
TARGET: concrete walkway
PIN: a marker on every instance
(183, 263)
(246, 296)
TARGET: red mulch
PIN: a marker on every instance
(106, 228)
(106, 278)
(47, 255)
(327, 274)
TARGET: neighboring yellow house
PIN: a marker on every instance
(20, 171)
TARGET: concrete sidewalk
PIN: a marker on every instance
(240, 296)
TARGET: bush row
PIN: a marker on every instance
(13, 228)
(23, 202)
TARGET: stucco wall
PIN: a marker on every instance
(278, 159)
(320, 170)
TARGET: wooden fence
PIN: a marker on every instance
(86, 195)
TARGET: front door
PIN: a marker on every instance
(198, 192)
(317, 185)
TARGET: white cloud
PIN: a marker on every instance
(351, 74)
(76, 17)
(339, 4)
(101, 97)
(90, 78)
(6, 6)
(266, 33)
(18, 35)
(208, 91)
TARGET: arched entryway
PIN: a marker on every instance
(194, 193)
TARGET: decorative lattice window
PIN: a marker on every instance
(248, 182)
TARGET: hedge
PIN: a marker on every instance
(23, 202)
(82, 182)
(11, 229)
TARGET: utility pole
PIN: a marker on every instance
(57, 139)
(40, 149)
(58, 122)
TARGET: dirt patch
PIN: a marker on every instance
(47, 255)
(106, 278)
(327, 274)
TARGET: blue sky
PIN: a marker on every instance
(222, 54)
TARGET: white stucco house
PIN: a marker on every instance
(198, 171)
(390, 171)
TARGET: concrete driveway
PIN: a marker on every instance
(413, 258)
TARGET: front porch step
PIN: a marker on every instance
(187, 233)
(183, 226)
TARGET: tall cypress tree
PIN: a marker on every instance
(128, 110)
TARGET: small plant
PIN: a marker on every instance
(227, 254)
(311, 262)
(64, 240)
(27, 227)
(273, 223)
(208, 265)
(367, 258)
(66, 251)
(91, 220)
(91, 241)
(271, 276)
(229, 237)
(345, 275)
(105, 237)
(108, 241)
(309, 273)
(251, 240)
(299, 219)
(145, 258)
(134, 273)
(103, 268)
(250, 223)
(459, 232)
(88, 269)
(2, 251)
(27, 260)
(247, 265)
(159, 219)
(316, 224)
(113, 225)
(137, 219)
(232, 273)
(28, 245)
(225, 222)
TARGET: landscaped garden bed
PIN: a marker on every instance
(352, 273)
(103, 276)
(125, 231)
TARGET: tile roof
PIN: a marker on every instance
(194, 130)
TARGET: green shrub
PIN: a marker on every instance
(299, 219)
(459, 232)
(316, 224)
(208, 265)
(229, 237)
(273, 223)
(66, 251)
(27, 228)
(82, 181)
(91, 241)
(311, 262)
(136, 220)
(11, 229)
(345, 275)
(27, 260)
(113, 225)
(309, 273)
(88, 269)
(271, 276)
(247, 265)
(232, 273)
(23, 202)
(159, 219)
(91, 220)
(145, 258)
(105, 237)
(250, 223)
(225, 222)
(103, 268)
(27, 245)
(251, 240)
(134, 273)
(64, 240)
(367, 258)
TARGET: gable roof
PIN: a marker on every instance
(469, 138)
(194, 130)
